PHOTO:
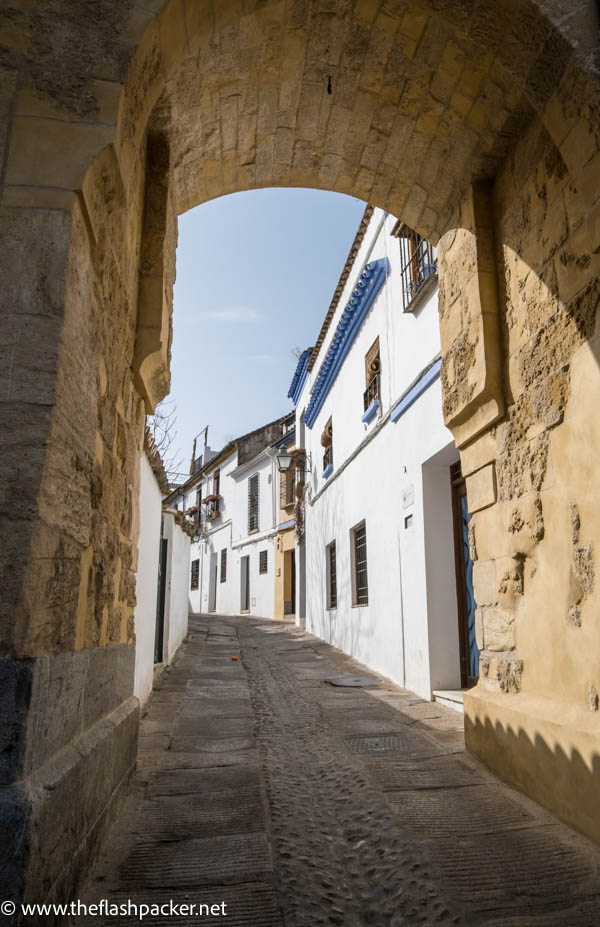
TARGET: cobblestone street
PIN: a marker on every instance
(257, 786)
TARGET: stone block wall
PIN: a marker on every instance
(520, 394)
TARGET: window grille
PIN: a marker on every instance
(331, 576)
(224, 565)
(253, 503)
(195, 574)
(286, 490)
(212, 507)
(361, 589)
(327, 443)
(262, 561)
(372, 392)
(418, 264)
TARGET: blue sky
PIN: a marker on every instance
(255, 275)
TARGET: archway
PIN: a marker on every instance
(478, 125)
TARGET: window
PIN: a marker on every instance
(223, 565)
(198, 513)
(372, 372)
(286, 489)
(262, 561)
(217, 483)
(360, 589)
(327, 442)
(253, 503)
(418, 263)
(212, 507)
(331, 576)
(195, 574)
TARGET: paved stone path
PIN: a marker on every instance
(257, 787)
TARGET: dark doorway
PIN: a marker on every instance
(160, 601)
(469, 651)
(245, 584)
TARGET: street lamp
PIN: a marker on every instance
(284, 460)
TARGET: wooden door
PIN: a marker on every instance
(469, 651)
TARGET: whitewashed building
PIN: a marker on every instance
(160, 615)
(383, 572)
(233, 498)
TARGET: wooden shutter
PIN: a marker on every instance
(372, 362)
(224, 565)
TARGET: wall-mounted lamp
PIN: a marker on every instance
(284, 462)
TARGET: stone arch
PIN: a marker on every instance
(461, 118)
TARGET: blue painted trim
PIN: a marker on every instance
(327, 471)
(370, 411)
(363, 295)
(423, 383)
(286, 524)
(287, 439)
(299, 378)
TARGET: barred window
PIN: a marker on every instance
(262, 561)
(217, 483)
(198, 515)
(327, 442)
(286, 489)
(253, 503)
(331, 576)
(418, 264)
(360, 590)
(372, 372)
(195, 574)
(224, 565)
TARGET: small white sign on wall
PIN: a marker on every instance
(408, 496)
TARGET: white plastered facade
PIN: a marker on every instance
(395, 477)
(229, 532)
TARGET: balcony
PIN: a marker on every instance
(212, 506)
(419, 271)
(372, 393)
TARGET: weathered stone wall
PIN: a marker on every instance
(529, 295)
(73, 426)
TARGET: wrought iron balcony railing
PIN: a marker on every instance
(419, 265)
(372, 392)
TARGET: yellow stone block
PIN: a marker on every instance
(481, 488)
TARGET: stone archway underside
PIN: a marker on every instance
(476, 123)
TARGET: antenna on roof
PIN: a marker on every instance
(193, 466)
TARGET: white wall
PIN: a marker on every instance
(176, 590)
(144, 615)
(405, 632)
(230, 532)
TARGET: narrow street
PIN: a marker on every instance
(257, 786)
